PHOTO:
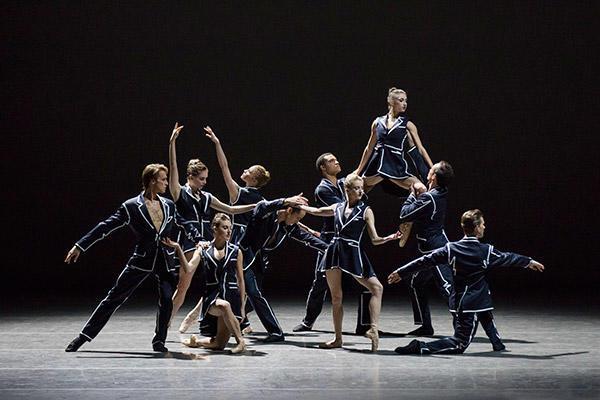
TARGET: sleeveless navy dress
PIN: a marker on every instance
(221, 283)
(344, 251)
(388, 159)
(246, 195)
(193, 210)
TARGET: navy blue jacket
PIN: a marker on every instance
(133, 213)
(326, 194)
(428, 212)
(264, 234)
(470, 260)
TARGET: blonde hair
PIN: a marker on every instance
(218, 219)
(393, 92)
(351, 178)
(195, 166)
(262, 176)
(151, 172)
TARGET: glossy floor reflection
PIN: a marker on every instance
(552, 354)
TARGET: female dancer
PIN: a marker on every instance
(255, 177)
(345, 254)
(383, 158)
(192, 204)
(222, 265)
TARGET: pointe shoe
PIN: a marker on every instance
(331, 345)
(373, 334)
(247, 330)
(241, 346)
(192, 342)
(187, 322)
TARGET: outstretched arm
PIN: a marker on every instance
(328, 211)
(190, 266)
(369, 149)
(174, 186)
(375, 238)
(239, 273)
(218, 205)
(232, 186)
(309, 230)
(413, 135)
(439, 256)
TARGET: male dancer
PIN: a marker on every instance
(470, 261)
(151, 218)
(427, 210)
(329, 191)
(270, 224)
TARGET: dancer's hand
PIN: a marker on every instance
(73, 254)
(203, 245)
(394, 236)
(536, 266)
(175, 132)
(170, 243)
(417, 189)
(295, 201)
(393, 278)
(211, 135)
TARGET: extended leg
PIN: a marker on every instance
(334, 281)
(185, 279)
(376, 289)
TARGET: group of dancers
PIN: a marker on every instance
(229, 253)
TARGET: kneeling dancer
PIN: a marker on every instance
(470, 260)
(222, 267)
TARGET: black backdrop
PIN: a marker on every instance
(506, 92)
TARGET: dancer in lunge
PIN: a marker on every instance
(152, 218)
(222, 309)
(329, 191)
(427, 209)
(470, 261)
(271, 223)
(345, 254)
(193, 204)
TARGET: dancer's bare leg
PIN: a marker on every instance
(376, 289)
(369, 183)
(405, 227)
(191, 317)
(227, 325)
(334, 281)
(182, 286)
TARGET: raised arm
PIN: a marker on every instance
(190, 266)
(369, 149)
(413, 135)
(174, 186)
(218, 205)
(328, 211)
(375, 238)
(239, 274)
(232, 185)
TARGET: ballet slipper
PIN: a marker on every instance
(247, 330)
(192, 342)
(373, 334)
(241, 346)
(187, 322)
(334, 344)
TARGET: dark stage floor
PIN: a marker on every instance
(553, 355)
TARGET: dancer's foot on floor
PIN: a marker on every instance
(271, 338)
(76, 344)
(302, 328)
(498, 346)
(191, 342)
(241, 346)
(414, 347)
(160, 347)
(247, 330)
(421, 331)
(334, 344)
(373, 334)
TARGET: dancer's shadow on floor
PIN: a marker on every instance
(486, 340)
(383, 334)
(509, 354)
(177, 355)
(313, 345)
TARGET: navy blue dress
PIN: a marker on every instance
(388, 159)
(344, 250)
(221, 283)
(246, 195)
(194, 210)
